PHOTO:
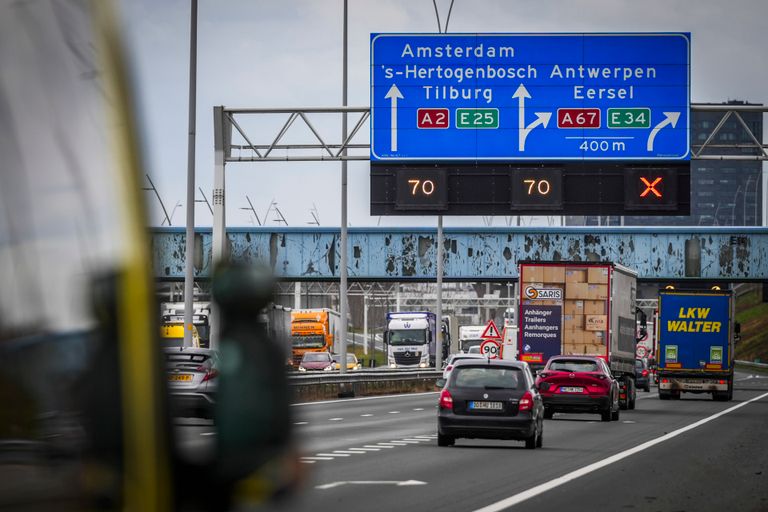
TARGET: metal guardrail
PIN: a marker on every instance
(364, 376)
(750, 364)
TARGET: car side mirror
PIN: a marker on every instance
(440, 383)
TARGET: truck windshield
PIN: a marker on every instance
(467, 343)
(315, 341)
(407, 337)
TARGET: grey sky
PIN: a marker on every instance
(288, 54)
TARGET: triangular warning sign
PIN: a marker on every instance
(491, 331)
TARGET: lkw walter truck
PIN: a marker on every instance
(580, 308)
(696, 341)
(410, 339)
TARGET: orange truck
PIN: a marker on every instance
(312, 330)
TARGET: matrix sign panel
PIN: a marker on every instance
(521, 97)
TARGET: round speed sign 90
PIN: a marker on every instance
(490, 349)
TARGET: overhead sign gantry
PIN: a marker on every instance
(538, 118)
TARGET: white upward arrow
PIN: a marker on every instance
(393, 94)
(542, 118)
(669, 118)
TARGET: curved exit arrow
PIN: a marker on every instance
(393, 94)
(670, 118)
(542, 118)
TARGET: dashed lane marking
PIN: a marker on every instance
(394, 412)
(316, 458)
(335, 419)
(419, 409)
(366, 415)
(366, 449)
(301, 423)
(348, 452)
(332, 455)
(378, 446)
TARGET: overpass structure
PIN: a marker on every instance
(474, 254)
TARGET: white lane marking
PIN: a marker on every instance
(332, 455)
(377, 446)
(406, 442)
(301, 423)
(417, 440)
(628, 421)
(419, 409)
(395, 443)
(307, 461)
(394, 412)
(573, 475)
(366, 415)
(365, 398)
(371, 482)
(366, 449)
(317, 458)
(427, 438)
(348, 452)
(207, 433)
(335, 419)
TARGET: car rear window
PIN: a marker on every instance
(487, 377)
(638, 364)
(564, 365)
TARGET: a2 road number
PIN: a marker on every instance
(425, 187)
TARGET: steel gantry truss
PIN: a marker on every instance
(319, 134)
(301, 134)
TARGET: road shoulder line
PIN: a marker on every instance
(573, 475)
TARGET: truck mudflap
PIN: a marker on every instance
(693, 384)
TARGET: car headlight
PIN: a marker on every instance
(328, 368)
(392, 365)
(302, 369)
(422, 365)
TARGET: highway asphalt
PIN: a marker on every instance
(380, 454)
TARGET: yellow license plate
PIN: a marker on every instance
(184, 377)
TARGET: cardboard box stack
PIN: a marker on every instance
(585, 320)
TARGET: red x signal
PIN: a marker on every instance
(650, 188)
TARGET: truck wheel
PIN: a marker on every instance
(631, 394)
(664, 395)
(615, 415)
(443, 440)
(675, 395)
(548, 413)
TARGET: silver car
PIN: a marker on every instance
(192, 380)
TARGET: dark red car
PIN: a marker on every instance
(578, 384)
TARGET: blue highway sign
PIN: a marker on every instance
(523, 97)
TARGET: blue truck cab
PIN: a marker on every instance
(696, 343)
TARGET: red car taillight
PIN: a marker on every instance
(449, 368)
(526, 402)
(210, 373)
(446, 400)
(645, 373)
